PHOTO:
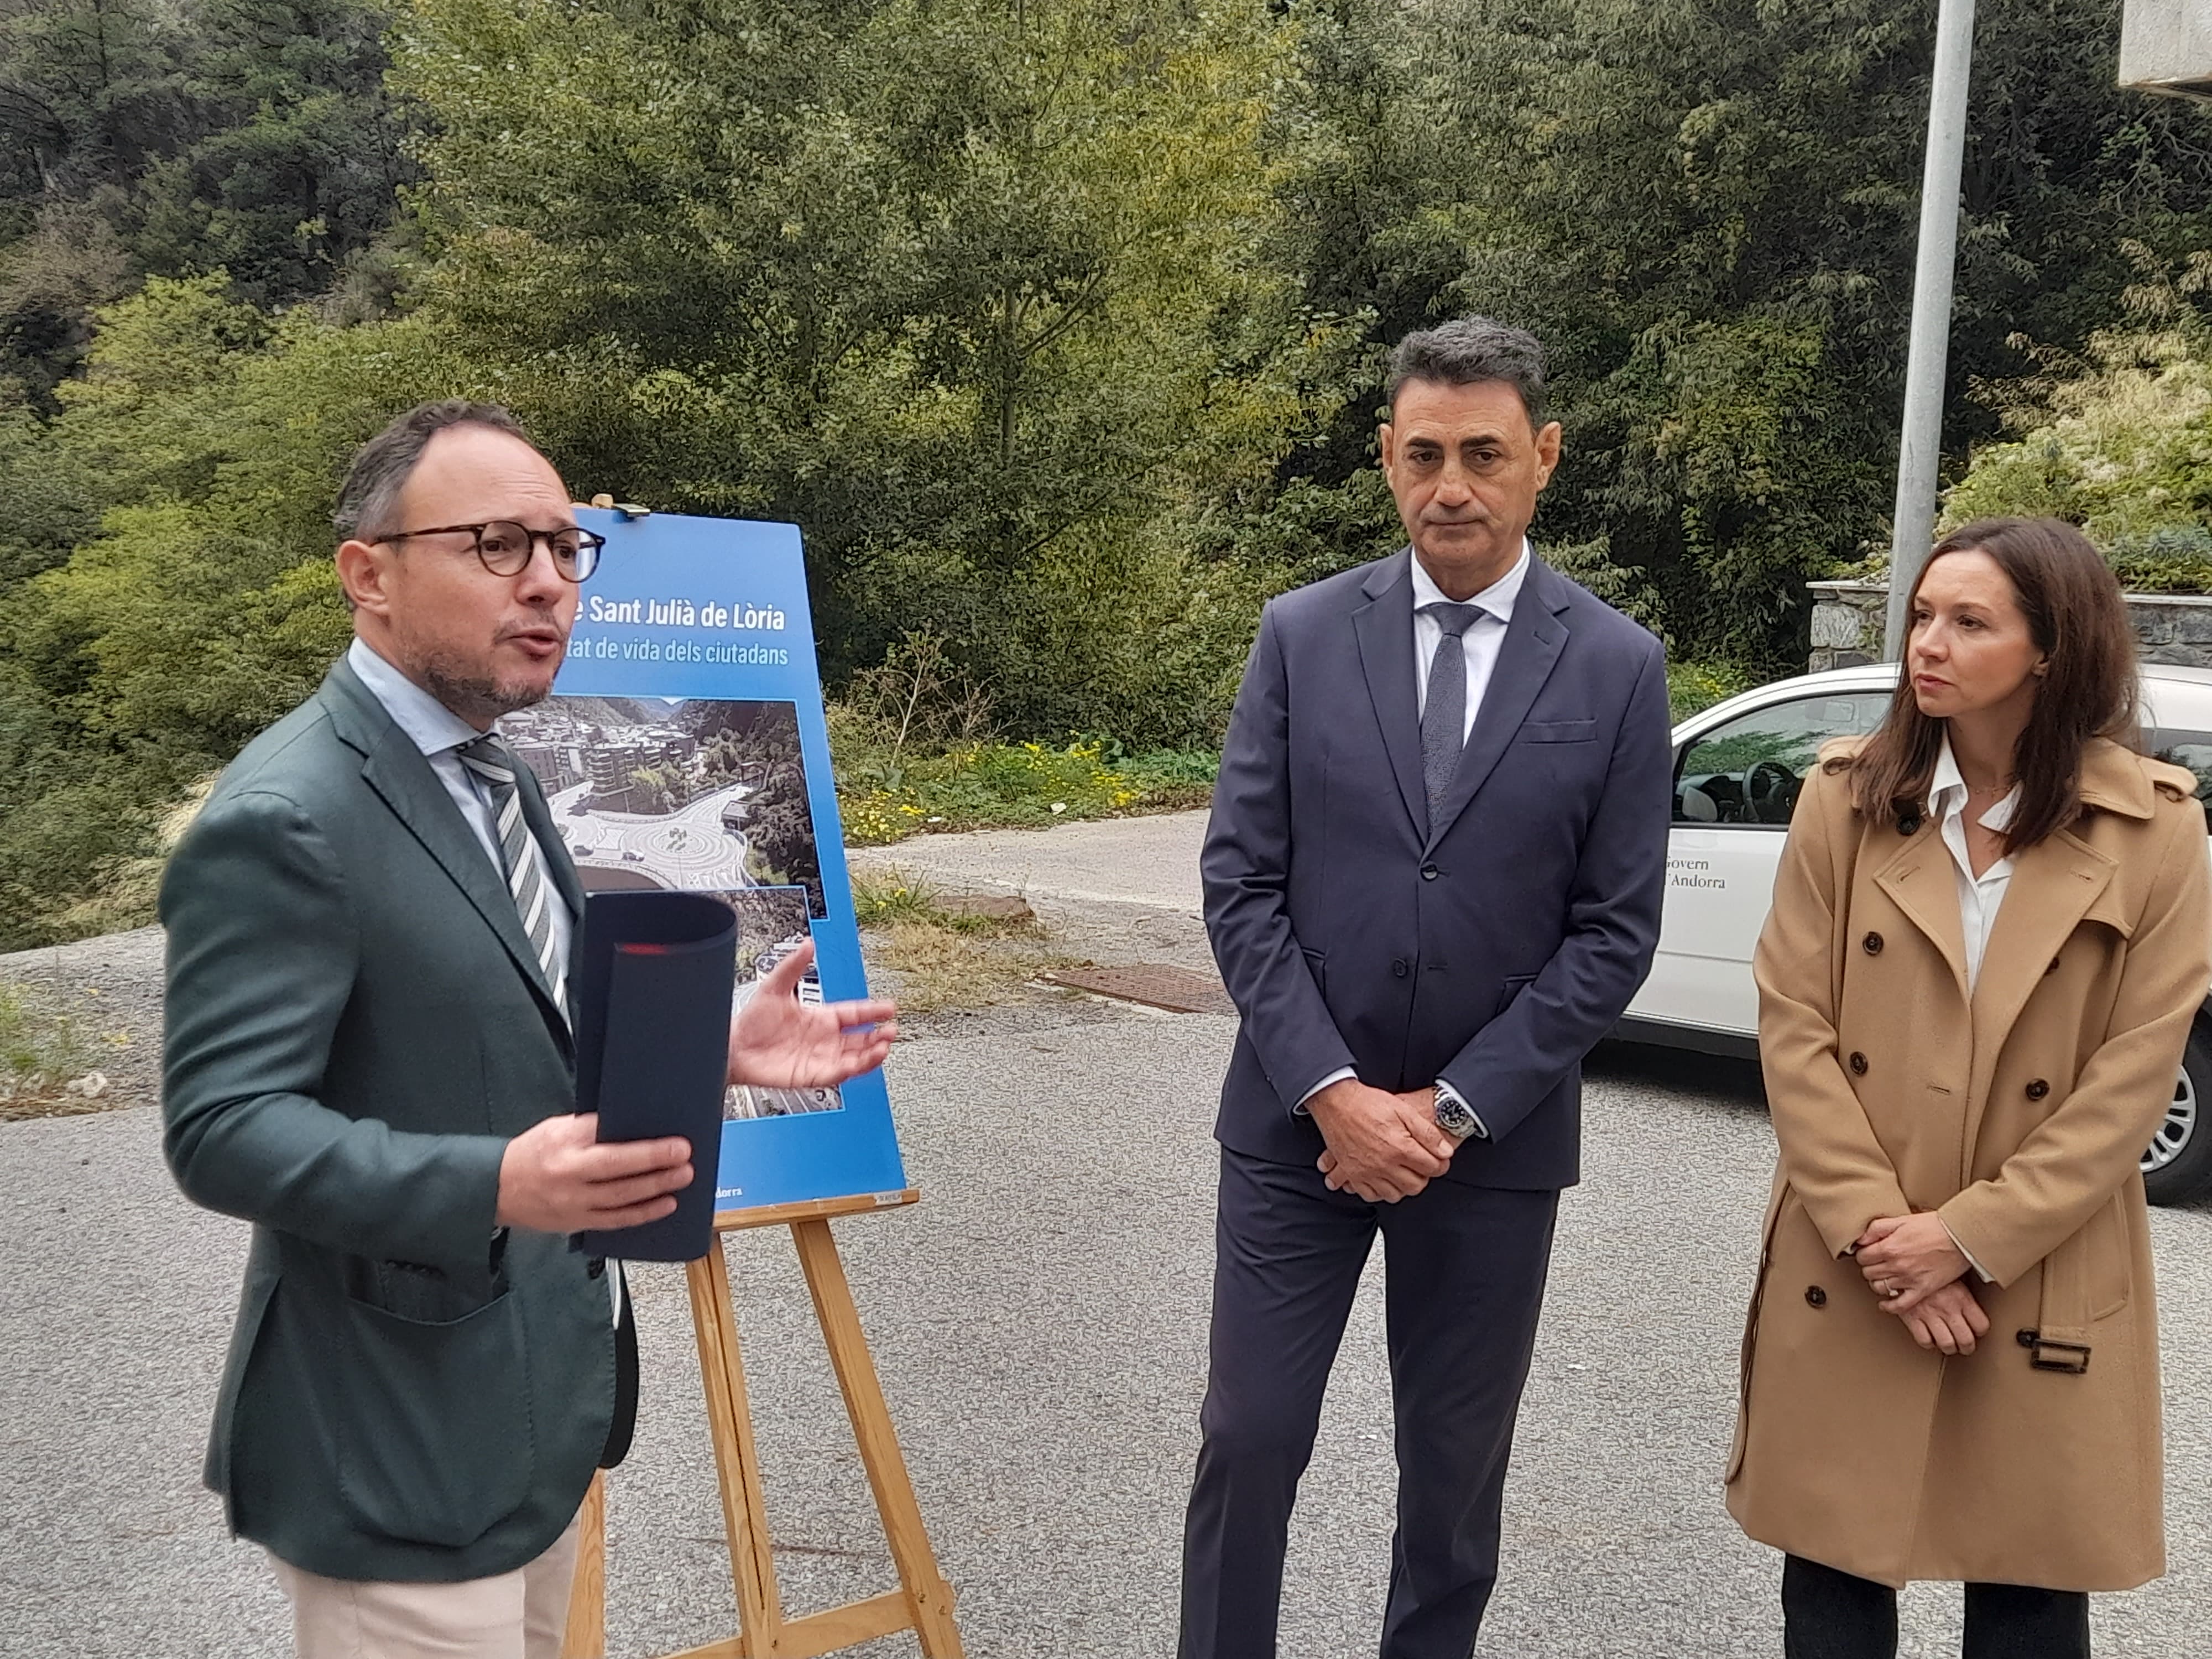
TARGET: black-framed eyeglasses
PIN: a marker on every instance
(505, 547)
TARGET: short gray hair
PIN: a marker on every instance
(1472, 350)
(369, 501)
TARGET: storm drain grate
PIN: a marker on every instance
(1154, 984)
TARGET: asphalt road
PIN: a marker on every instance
(1040, 1323)
(1150, 861)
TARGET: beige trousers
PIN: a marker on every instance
(521, 1614)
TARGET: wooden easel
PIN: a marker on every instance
(922, 1604)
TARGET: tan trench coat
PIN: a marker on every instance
(2020, 1118)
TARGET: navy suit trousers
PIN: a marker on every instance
(1465, 1284)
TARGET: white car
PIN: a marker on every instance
(1738, 767)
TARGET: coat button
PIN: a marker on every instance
(1430, 873)
(1909, 825)
(2037, 1089)
(1815, 1297)
(1399, 968)
(1871, 945)
(1857, 1063)
(2054, 966)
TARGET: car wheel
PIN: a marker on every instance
(2177, 1165)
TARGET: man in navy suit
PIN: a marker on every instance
(1432, 882)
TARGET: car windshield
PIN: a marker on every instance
(1749, 770)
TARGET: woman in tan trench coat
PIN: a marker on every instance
(1990, 932)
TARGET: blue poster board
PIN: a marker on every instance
(684, 747)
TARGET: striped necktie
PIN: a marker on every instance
(526, 879)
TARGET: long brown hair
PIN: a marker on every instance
(2080, 622)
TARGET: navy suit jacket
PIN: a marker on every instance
(1491, 948)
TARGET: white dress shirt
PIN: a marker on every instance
(1481, 643)
(437, 731)
(1979, 896)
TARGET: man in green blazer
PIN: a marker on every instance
(368, 1055)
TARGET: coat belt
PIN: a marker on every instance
(2061, 1341)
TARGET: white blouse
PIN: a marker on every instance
(1979, 896)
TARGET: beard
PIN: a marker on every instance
(474, 697)
(464, 686)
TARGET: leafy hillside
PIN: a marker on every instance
(1058, 327)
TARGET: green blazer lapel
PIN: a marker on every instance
(395, 769)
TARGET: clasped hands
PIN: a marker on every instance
(1916, 1270)
(1381, 1145)
(1387, 1146)
(555, 1177)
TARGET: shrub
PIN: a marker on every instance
(42, 1048)
(2119, 441)
(1692, 686)
(2175, 560)
(976, 784)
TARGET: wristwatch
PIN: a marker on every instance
(1453, 1115)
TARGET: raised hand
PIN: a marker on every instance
(777, 1041)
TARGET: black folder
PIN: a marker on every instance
(654, 983)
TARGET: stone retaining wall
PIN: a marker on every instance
(1847, 624)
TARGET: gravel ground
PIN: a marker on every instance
(1040, 1324)
(110, 990)
(1119, 891)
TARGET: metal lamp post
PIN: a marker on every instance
(1920, 448)
(2165, 46)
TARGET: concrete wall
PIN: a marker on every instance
(1847, 621)
(2166, 45)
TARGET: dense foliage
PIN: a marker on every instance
(2119, 441)
(1708, 211)
(139, 137)
(1057, 325)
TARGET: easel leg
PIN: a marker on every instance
(928, 1596)
(586, 1636)
(730, 1419)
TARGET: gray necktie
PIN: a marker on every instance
(1444, 715)
(491, 760)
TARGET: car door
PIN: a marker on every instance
(1735, 784)
(2176, 1166)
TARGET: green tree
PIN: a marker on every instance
(209, 442)
(300, 156)
(90, 96)
(2116, 439)
(962, 289)
(254, 136)
(1708, 213)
